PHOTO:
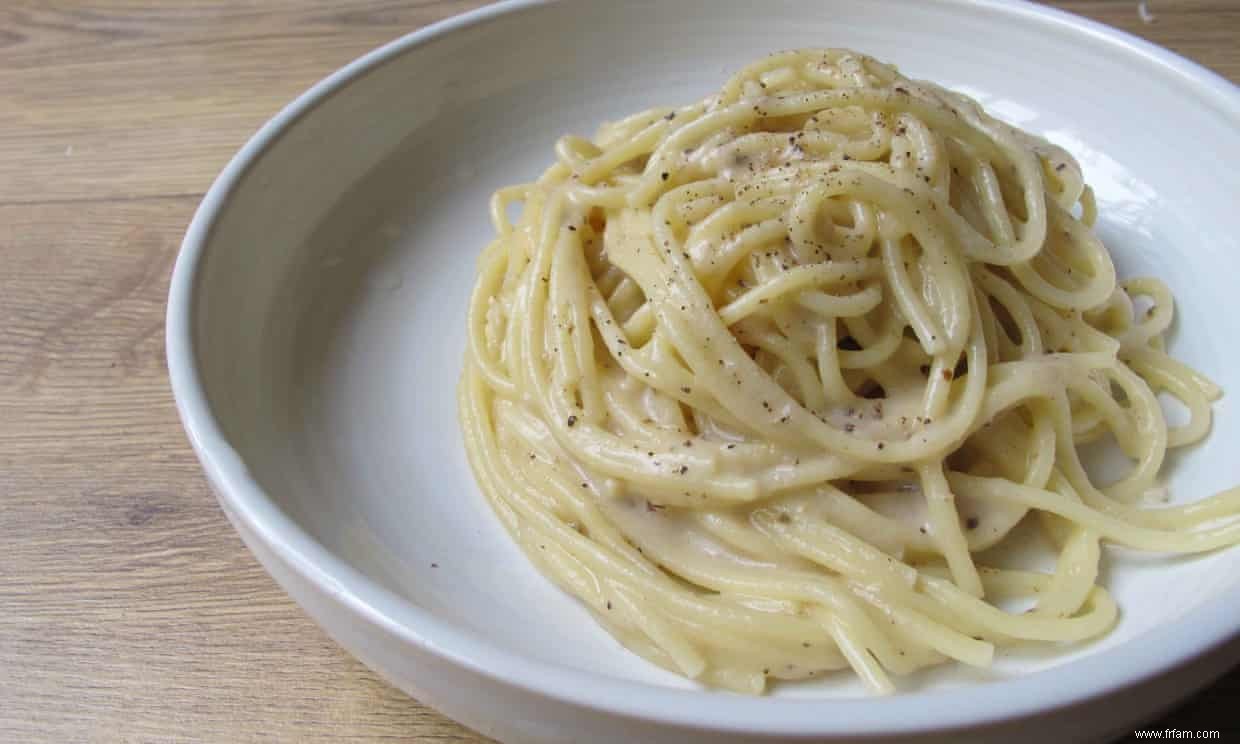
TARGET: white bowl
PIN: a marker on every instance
(315, 337)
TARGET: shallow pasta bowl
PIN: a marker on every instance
(316, 330)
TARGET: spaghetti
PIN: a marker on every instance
(758, 378)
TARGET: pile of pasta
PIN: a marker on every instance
(763, 379)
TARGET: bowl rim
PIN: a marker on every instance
(1162, 649)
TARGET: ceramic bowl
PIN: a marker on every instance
(316, 329)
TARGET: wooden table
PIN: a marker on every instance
(129, 610)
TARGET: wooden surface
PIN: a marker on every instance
(129, 610)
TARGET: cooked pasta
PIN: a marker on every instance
(762, 379)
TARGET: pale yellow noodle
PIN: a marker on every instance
(758, 377)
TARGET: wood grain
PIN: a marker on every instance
(129, 610)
